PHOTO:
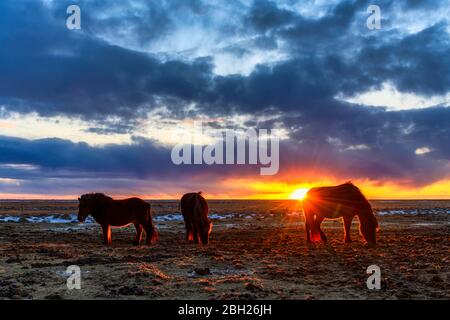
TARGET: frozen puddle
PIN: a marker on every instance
(430, 224)
(54, 218)
(179, 217)
(413, 211)
(80, 226)
(73, 218)
(10, 219)
(168, 217)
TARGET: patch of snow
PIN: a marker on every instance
(169, 217)
(55, 218)
(413, 211)
(9, 219)
(179, 217)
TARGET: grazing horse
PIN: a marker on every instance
(195, 213)
(345, 201)
(118, 213)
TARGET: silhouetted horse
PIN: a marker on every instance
(195, 213)
(345, 201)
(118, 213)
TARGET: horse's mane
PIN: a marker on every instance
(345, 193)
(200, 208)
(350, 184)
(339, 189)
(94, 196)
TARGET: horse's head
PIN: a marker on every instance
(368, 227)
(85, 206)
(205, 231)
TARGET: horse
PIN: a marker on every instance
(118, 213)
(195, 213)
(346, 201)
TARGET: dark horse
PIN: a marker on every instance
(118, 213)
(345, 201)
(195, 213)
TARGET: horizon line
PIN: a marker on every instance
(224, 199)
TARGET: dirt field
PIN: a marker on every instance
(257, 251)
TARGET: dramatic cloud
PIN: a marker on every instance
(284, 64)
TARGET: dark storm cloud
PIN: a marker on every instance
(375, 144)
(265, 15)
(51, 70)
(53, 157)
(325, 29)
(47, 69)
(422, 4)
(417, 63)
(62, 158)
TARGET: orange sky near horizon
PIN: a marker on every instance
(266, 190)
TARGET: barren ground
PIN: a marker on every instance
(257, 251)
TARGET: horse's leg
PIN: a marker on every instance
(347, 225)
(151, 233)
(147, 225)
(317, 222)
(312, 234)
(308, 220)
(146, 222)
(196, 240)
(308, 237)
(137, 239)
(107, 234)
(189, 231)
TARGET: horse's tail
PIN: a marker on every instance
(154, 235)
(200, 209)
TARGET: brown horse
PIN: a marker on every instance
(118, 213)
(345, 201)
(195, 213)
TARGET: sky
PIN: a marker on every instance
(95, 109)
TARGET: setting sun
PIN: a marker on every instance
(299, 194)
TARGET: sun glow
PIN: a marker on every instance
(299, 194)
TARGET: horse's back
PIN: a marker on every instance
(127, 210)
(187, 203)
(333, 201)
(344, 193)
(137, 202)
